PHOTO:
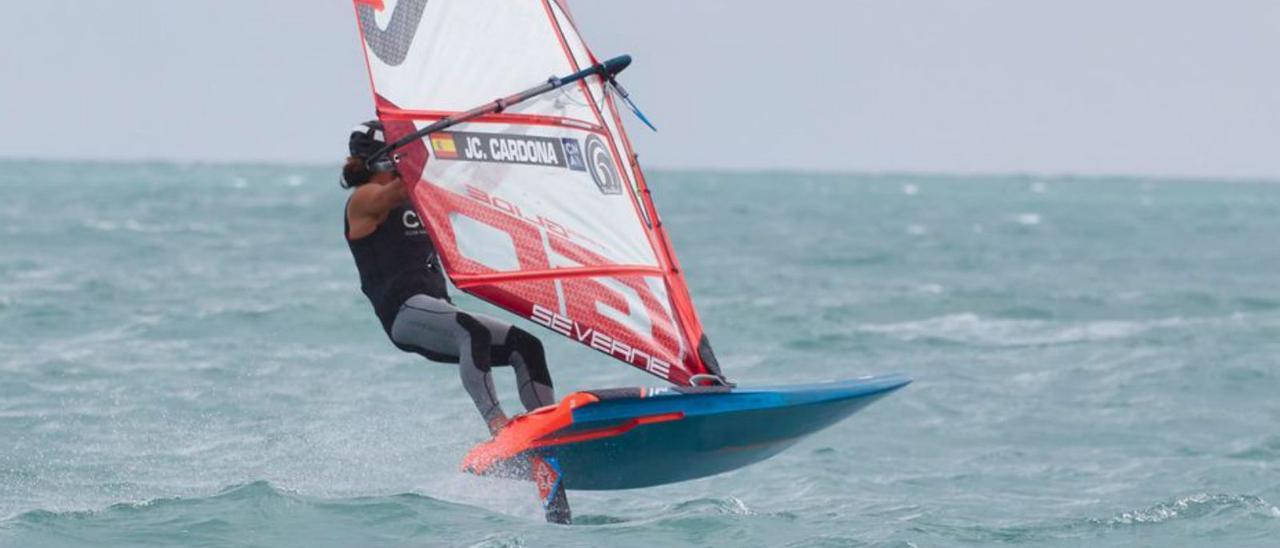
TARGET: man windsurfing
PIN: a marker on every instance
(401, 275)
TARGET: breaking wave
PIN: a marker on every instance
(1193, 506)
(972, 329)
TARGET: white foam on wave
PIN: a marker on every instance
(1195, 505)
(930, 289)
(134, 225)
(100, 225)
(969, 328)
(1028, 219)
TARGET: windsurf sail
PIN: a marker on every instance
(539, 207)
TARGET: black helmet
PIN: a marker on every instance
(366, 139)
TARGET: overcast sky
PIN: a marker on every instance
(1167, 87)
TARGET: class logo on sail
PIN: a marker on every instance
(601, 166)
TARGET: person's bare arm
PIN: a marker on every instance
(370, 204)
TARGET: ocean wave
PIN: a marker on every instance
(839, 541)
(134, 225)
(256, 493)
(253, 491)
(716, 505)
(1222, 507)
(260, 513)
(1027, 219)
(972, 329)
(1266, 449)
(1194, 506)
(256, 513)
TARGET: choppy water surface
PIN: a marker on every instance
(185, 359)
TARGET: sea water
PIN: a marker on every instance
(186, 359)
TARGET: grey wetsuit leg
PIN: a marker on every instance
(523, 352)
(442, 332)
(533, 393)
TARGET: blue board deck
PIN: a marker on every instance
(640, 437)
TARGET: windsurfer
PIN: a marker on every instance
(400, 273)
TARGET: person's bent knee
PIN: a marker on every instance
(479, 340)
(530, 349)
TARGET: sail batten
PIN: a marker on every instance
(468, 280)
(541, 208)
(502, 117)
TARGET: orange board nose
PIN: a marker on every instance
(523, 432)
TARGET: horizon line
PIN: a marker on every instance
(1011, 174)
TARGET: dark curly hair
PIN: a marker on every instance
(355, 173)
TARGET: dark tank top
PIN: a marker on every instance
(396, 261)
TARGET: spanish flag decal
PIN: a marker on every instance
(444, 146)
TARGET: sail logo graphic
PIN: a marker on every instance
(599, 340)
(627, 317)
(391, 45)
(600, 165)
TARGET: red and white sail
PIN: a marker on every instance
(541, 209)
